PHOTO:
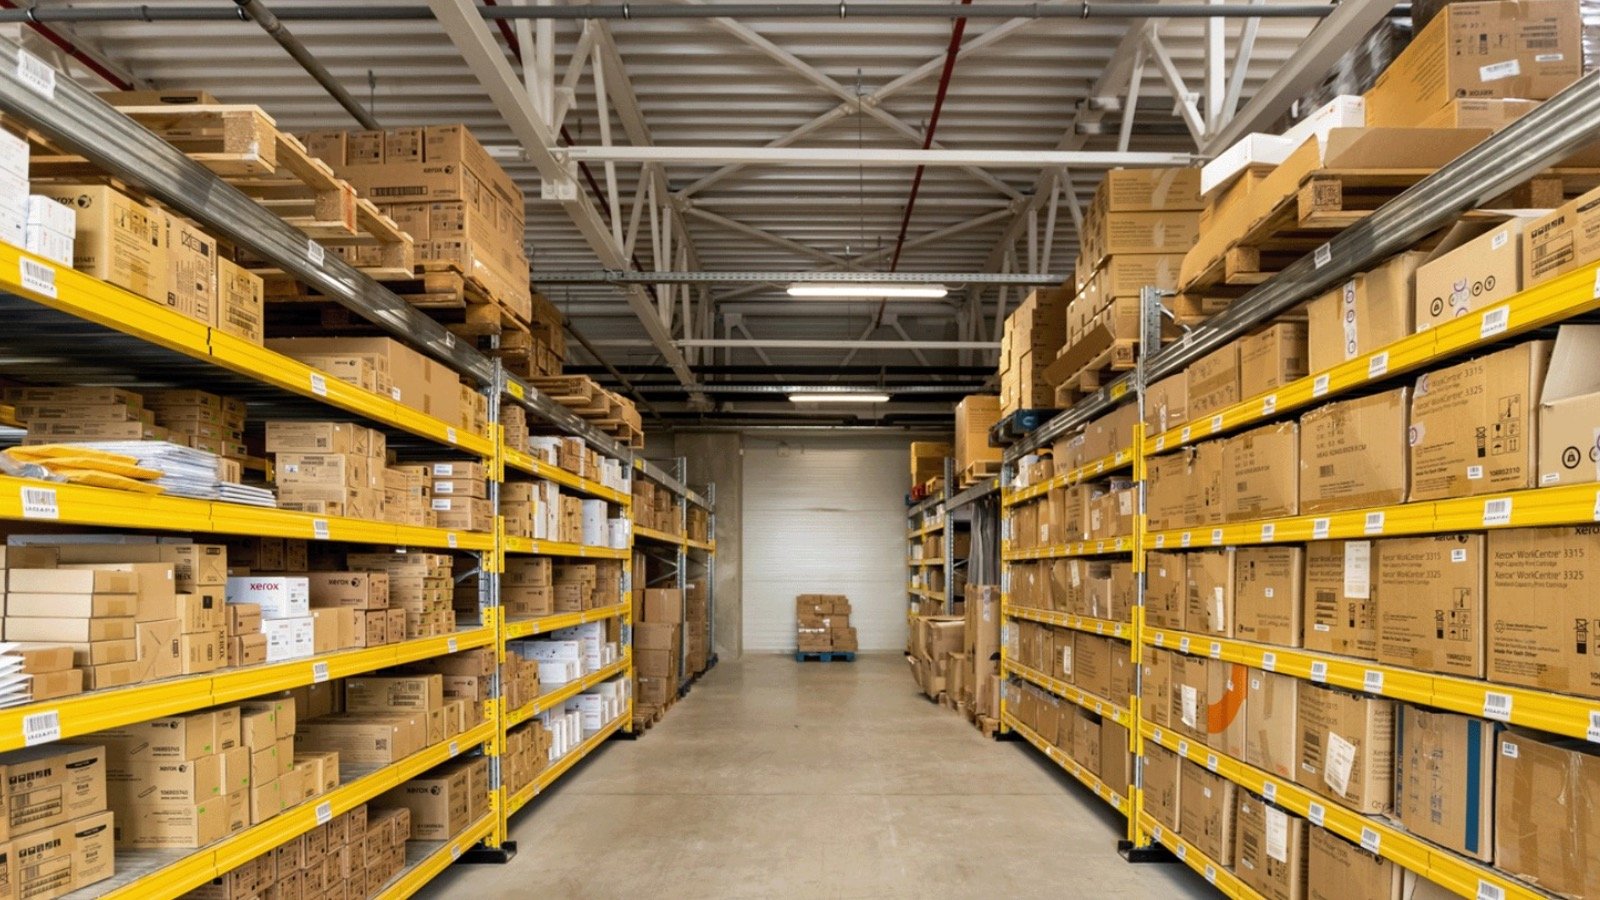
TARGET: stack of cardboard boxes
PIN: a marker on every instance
(527, 753)
(420, 595)
(927, 461)
(92, 609)
(460, 492)
(657, 649)
(822, 624)
(1097, 744)
(975, 415)
(442, 802)
(697, 629)
(57, 830)
(388, 367)
(1028, 345)
(656, 508)
(350, 857)
(934, 639)
(465, 679)
(328, 468)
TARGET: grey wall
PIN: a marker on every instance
(719, 458)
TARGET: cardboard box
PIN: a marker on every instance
(1472, 269)
(69, 630)
(1167, 590)
(1163, 771)
(1256, 483)
(1267, 599)
(1155, 686)
(1527, 50)
(1213, 382)
(1472, 424)
(974, 416)
(70, 581)
(356, 590)
(1339, 870)
(1353, 453)
(1271, 358)
(1566, 239)
(1569, 448)
(1431, 603)
(1544, 812)
(1272, 723)
(1226, 698)
(116, 238)
(1470, 113)
(178, 782)
(1166, 403)
(53, 861)
(240, 302)
(70, 606)
(1444, 779)
(1541, 582)
(1368, 312)
(437, 802)
(1189, 706)
(1347, 747)
(1210, 592)
(51, 784)
(382, 693)
(191, 269)
(1206, 812)
(1269, 846)
(160, 651)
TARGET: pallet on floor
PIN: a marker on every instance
(825, 656)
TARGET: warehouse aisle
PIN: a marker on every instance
(784, 779)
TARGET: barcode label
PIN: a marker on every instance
(1155, 833)
(1371, 840)
(36, 74)
(1161, 539)
(1211, 873)
(319, 384)
(315, 253)
(450, 435)
(1487, 891)
(1323, 256)
(1211, 761)
(1183, 645)
(1378, 365)
(455, 748)
(1372, 682)
(1216, 424)
(37, 277)
(1216, 536)
(1099, 628)
(1494, 321)
(450, 645)
(1316, 814)
(1596, 291)
(319, 672)
(1182, 851)
(324, 812)
(1184, 435)
(1269, 661)
(1185, 540)
(319, 529)
(1594, 727)
(1497, 706)
(1269, 791)
(1216, 650)
(1496, 71)
(1373, 523)
(1319, 529)
(1269, 404)
(41, 728)
(455, 852)
(1319, 385)
(450, 540)
(1269, 531)
(1183, 748)
(1161, 639)
(40, 503)
(1497, 512)
(1161, 444)
(1319, 672)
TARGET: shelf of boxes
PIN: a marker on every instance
(148, 875)
(1089, 471)
(1080, 548)
(1065, 691)
(925, 594)
(1216, 875)
(660, 537)
(1372, 833)
(529, 465)
(560, 767)
(924, 531)
(550, 699)
(1089, 624)
(523, 628)
(426, 859)
(922, 563)
(538, 547)
(1088, 778)
(703, 546)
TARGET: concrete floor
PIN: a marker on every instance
(782, 779)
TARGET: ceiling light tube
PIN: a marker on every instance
(868, 291)
(839, 398)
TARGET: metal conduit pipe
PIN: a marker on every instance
(273, 26)
(630, 11)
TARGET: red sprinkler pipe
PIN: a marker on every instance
(67, 47)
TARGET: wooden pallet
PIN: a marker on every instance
(243, 146)
(1120, 357)
(978, 471)
(825, 656)
(602, 408)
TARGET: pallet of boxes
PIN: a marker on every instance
(657, 651)
(933, 641)
(822, 628)
(975, 459)
(927, 467)
(697, 633)
(1028, 346)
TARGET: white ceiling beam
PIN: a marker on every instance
(874, 157)
(769, 237)
(1241, 67)
(464, 24)
(1182, 98)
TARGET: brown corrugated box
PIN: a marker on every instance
(1367, 312)
(1167, 590)
(1341, 609)
(1477, 265)
(1430, 603)
(1541, 582)
(1339, 870)
(1256, 483)
(1272, 723)
(1545, 815)
(1563, 241)
(1213, 382)
(1569, 407)
(118, 239)
(1347, 747)
(1210, 603)
(1353, 453)
(1155, 686)
(1444, 779)
(1271, 358)
(1267, 602)
(1493, 114)
(1163, 785)
(1270, 848)
(1206, 812)
(1472, 424)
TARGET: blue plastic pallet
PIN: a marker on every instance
(846, 656)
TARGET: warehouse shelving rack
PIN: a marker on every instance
(1544, 136)
(76, 324)
(930, 516)
(673, 551)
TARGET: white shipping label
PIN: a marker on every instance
(1497, 71)
(1190, 702)
(1338, 760)
(1358, 569)
(1277, 834)
(36, 74)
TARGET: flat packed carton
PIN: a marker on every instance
(1211, 592)
(1527, 50)
(1563, 241)
(1270, 849)
(1545, 816)
(1339, 870)
(1472, 424)
(1163, 784)
(1271, 358)
(1267, 600)
(1206, 812)
(1347, 747)
(1353, 453)
(1431, 603)
(1569, 407)
(1473, 269)
(1213, 382)
(1272, 723)
(1369, 311)
(1444, 779)
(1541, 582)
(1256, 483)
(117, 239)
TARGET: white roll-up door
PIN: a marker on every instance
(825, 515)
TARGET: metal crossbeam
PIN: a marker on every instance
(874, 156)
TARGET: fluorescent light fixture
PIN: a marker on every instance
(839, 398)
(868, 291)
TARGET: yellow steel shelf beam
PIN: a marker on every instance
(82, 714)
(1376, 835)
(1078, 548)
(194, 869)
(92, 300)
(550, 699)
(531, 465)
(559, 767)
(662, 537)
(1088, 778)
(514, 544)
(435, 859)
(521, 628)
(1065, 691)
(1219, 876)
(1544, 304)
(920, 563)
(1086, 472)
(924, 531)
(707, 546)
(925, 594)
(1106, 627)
